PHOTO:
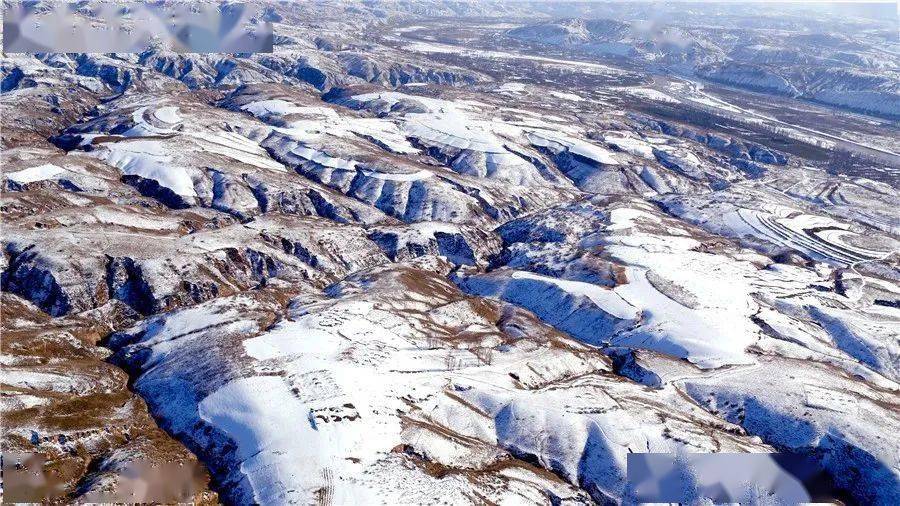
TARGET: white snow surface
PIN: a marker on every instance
(143, 121)
(567, 96)
(238, 148)
(168, 114)
(652, 94)
(275, 106)
(281, 453)
(631, 145)
(574, 145)
(608, 300)
(399, 176)
(34, 174)
(149, 159)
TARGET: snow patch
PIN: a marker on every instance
(34, 174)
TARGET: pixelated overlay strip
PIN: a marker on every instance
(134, 27)
(728, 478)
(27, 479)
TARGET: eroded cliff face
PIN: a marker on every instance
(73, 429)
